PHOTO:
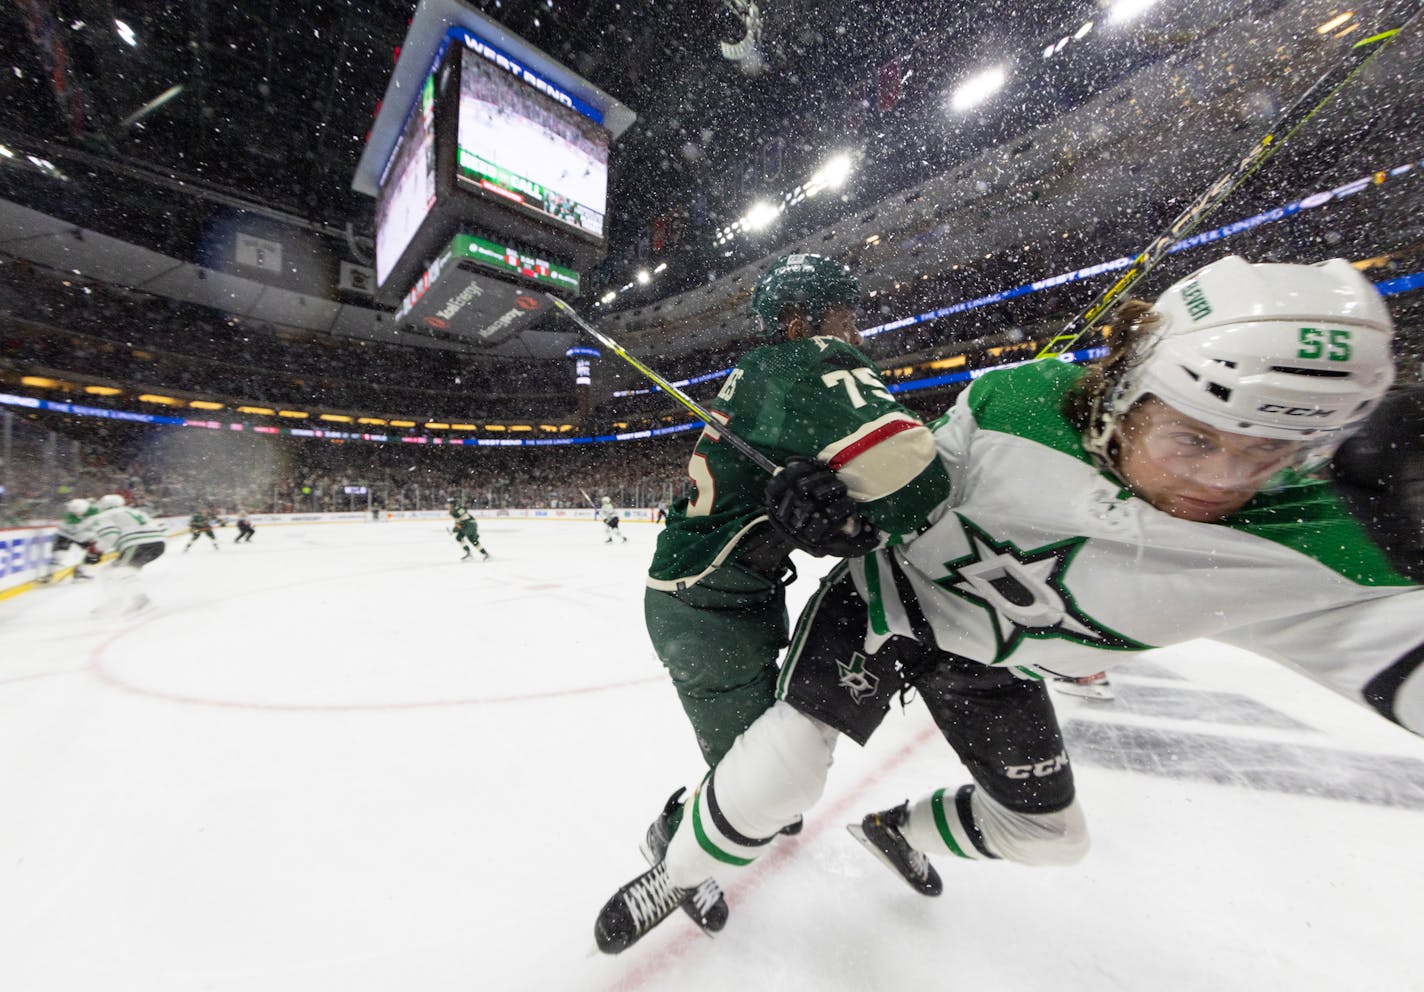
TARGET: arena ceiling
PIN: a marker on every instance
(272, 100)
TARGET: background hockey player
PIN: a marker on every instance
(138, 541)
(608, 513)
(245, 530)
(1095, 515)
(200, 524)
(715, 603)
(467, 532)
(70, 534)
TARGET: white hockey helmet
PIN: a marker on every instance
(605, 499)
(110, 501)
(77, 507)
(1271, 350)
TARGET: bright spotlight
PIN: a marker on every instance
(760, 216)
(126, 33)
(608, 297)
(1126, 10)
(661, 266)
(643, 277)
(976, 89)
(832, 175)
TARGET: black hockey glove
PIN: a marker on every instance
(1379, 472)
(808, 504)
(92, 554)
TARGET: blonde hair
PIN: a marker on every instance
(1129, 328)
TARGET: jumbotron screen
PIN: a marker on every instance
(407, 190)
(518, 143)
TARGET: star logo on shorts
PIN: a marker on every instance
(1026, 593)
(855, 678)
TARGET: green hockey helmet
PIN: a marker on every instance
(812, 283)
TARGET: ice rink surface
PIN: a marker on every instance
(341, 759)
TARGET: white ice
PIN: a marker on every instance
(341, 759)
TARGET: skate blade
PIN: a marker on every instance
(1099, 692)
(858, 832)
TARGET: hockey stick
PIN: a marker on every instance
(1295, 117)
(741, 444)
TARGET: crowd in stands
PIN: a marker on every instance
(175, 471)
(58, 321)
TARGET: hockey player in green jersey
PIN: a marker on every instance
(715, 603)
(1094, 515)
(467, 532)
(201, 524)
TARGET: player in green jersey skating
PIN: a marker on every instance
(1094, 515)
(467, 532)
(715, 603)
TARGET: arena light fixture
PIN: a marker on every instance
(831, 175)
(402, 423)
(1082, 32)
(643, 277)
(464, 427)
(204, 405)
(760, 216)
(661, 266)
(338, 418)
(126, 33)
(494, 427)
(1127, 10)
(264, 411)
(1334, 22)
(5, 152)
(292, 414)
(609, 296)
(373, 421)
(520, 427)
(40, 382)
(159, 400)
(436, 425)
(102, 390)
(978, 88)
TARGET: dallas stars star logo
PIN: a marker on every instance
(855, 678)
(1025, 593)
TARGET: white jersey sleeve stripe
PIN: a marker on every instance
(881, 457)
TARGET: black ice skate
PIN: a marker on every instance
(880, 833)
(707, 906)
(636, 908)
(467, 555)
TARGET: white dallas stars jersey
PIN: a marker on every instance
(1042, 563)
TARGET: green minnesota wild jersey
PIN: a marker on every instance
(1044, 564)
(817, 397)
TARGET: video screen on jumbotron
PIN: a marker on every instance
(520, 144)
(407, 190)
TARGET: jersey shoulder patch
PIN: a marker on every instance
(1027, 401)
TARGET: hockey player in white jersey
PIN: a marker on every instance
(1094, 515)
(608, 513)
(137, 539)
(70, 534)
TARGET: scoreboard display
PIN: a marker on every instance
(530, 146)
(498, 162)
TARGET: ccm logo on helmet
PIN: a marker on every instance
(1293, 411)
